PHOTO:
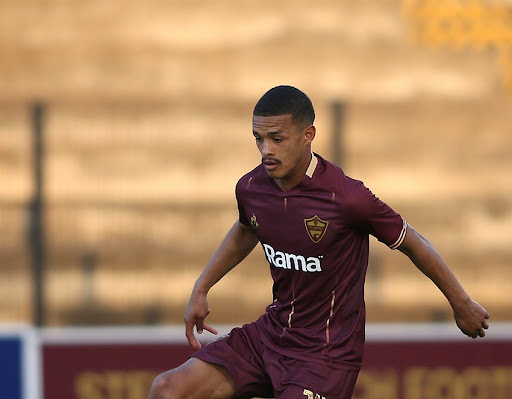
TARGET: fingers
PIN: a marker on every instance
(485, 325)
(195, 314)
(473, 323)
(200, 326)
(189, 332)
(194, 343)
(476, 334)
(480, 332)
(210, 329)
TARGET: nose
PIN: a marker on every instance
(266, 148)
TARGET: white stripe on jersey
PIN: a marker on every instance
(401, 237)
(291, 314)
(327, 334)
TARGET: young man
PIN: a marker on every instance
(313, 223)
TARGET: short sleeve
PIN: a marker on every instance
(371, 215)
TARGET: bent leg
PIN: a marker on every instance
(195, 379)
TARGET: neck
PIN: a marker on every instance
(287, 183)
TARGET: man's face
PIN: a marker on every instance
(285, 148)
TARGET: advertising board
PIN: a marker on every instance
(401, 362)
(19, 363)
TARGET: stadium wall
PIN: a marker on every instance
(402, 361)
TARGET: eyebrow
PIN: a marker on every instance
(271, 133)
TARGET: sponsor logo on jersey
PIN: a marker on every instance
(292, 261)
(316, 228)
(312, 395)
(254, 222)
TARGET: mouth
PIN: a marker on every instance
(270, 164)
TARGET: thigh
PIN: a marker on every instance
(195, 379)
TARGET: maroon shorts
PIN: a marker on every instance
(259, 371)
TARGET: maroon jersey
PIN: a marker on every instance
(316, 240)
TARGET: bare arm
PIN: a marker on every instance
(237, 244)
(469, 315)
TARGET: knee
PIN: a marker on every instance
(164, 387)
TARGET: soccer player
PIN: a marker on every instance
(313, 223)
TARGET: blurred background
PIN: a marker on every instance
(124, 127)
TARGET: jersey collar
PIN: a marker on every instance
(312, 166)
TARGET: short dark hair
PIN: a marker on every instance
(284, 100)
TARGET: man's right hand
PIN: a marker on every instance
(197, 310)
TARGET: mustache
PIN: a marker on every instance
(271, 160)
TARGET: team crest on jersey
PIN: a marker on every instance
(254, 222)
(316, 228)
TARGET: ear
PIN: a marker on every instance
(309, 134)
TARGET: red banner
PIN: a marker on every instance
(436, 370)
(393, 369)
(106, 371)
